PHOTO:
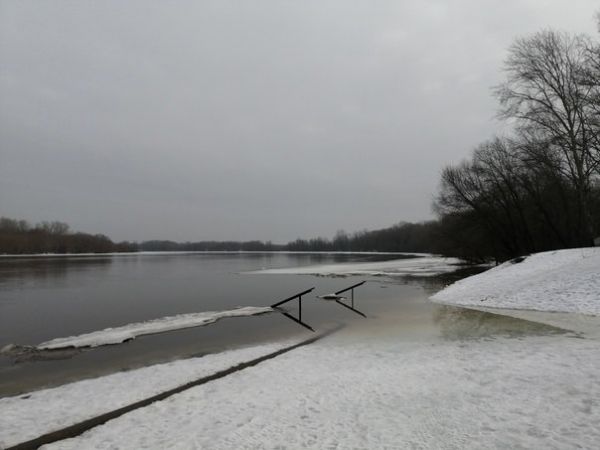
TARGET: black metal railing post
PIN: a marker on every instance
(351, 306)
(288, 315)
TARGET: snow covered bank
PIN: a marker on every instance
(558, 281)
(345, 392)
(419, 266)
(127, 332)
(28, 416)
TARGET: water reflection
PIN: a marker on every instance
(461, 323)
(22, 353)
(432, 284)
(19, 272)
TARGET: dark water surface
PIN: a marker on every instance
(42, 298)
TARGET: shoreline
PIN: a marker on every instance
(397, 395)
(211, 252)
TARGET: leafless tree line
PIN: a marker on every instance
(19, 237)
(537, 189)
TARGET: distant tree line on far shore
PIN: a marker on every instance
(421, 237)
(209, 246)
(446, 236)
(19, 237)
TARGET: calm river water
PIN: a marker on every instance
(42, 298)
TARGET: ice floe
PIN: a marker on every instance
(417, 266)
(130, 331)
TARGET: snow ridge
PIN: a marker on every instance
(130, 331)
(556, 281)
(48, 410)
(423, 266)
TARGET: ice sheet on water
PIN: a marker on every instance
(419, 266)
(130, 331)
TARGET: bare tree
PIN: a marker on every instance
(590, 78)
(474, 188)
(54, 228)
(521, 207)
(554, 110)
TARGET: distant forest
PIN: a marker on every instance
(209, 246)
(19, 237)
(534, 189)
(404, 237)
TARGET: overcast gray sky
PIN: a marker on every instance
(194, 120)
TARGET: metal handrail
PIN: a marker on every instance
(288, 315)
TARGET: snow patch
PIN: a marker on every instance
(533, 392)
(557, 281)
(423, 266)
(28, 416)
(124, 333)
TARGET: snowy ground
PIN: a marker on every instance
(26, 417)
(353, 391)
(424, 265)
(130, 331)
(559, 281)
